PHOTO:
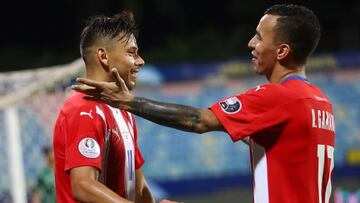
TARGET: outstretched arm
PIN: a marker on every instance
(178, 116)
(182, 117)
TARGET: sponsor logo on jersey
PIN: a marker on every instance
(231, 105)
(115, 132)
(125, 133)
(259, 88)
(320, 98)
(86, 114)
(89, 148)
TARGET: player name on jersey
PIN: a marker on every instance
(323, 120)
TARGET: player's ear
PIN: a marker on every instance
(103, 57)
(283, 51)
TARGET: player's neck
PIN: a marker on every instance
(96, 74)
(281, 73)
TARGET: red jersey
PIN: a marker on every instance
(88, 133)
(292, 130)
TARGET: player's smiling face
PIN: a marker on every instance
(263, 47)
(124, 56)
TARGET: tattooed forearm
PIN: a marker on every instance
(182, 117)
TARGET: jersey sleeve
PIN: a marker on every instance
(139, 160)
(84, 137)
(254, 112)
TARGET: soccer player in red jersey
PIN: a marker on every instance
(97, 158)
(288, 123)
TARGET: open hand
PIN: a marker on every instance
(115, 94)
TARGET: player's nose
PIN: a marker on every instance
(139, 61)
(251, 43)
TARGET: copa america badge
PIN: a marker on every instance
(89, 148)
(231, 105)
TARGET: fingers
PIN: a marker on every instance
(91, 98)
(168, 201)
(87, 86)
(102, 99)
(97, 99)
(119, 81)
(91, 91)
(82, 87)
(116, 75)
(88, 82)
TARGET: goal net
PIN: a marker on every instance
(29, 104)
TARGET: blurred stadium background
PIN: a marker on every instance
(198, 55)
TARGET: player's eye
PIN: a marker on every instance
(258, 37)
(132, 53)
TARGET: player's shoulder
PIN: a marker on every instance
(268, 94)
(271, 89)
(76, 103)
(77, 99)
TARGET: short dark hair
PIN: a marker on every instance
(105, 27)
(297, 26)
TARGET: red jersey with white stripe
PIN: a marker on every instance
(291, 128)
(88, 133)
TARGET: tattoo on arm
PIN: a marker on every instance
(182, 117)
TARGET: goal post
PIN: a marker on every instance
(16, 168)
(29, 102)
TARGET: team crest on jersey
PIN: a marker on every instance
(231, 105)
(89, 148)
